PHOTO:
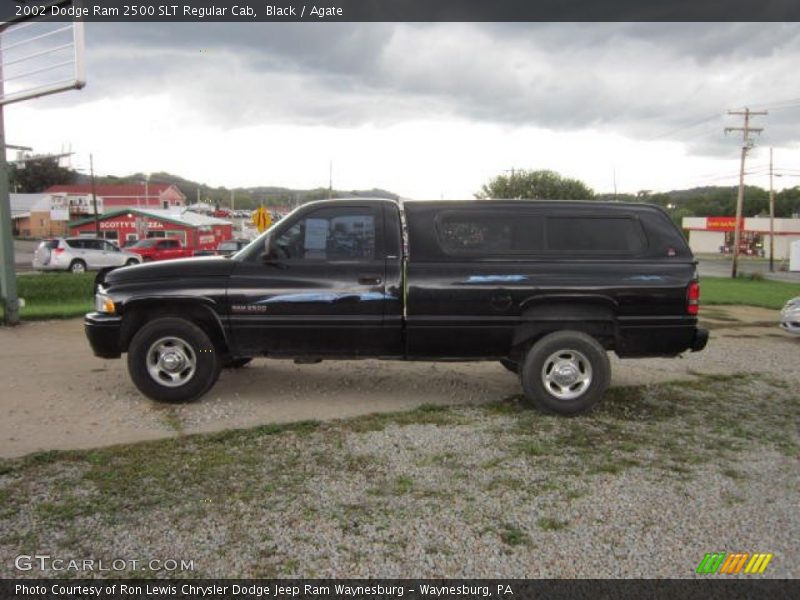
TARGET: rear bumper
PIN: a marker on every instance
(103, 332)
(700, 339)
(638, 338)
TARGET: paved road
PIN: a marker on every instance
(721, 267)
(23, 254)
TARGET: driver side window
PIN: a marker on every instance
(328, 235)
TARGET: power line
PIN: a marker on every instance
(685, 127)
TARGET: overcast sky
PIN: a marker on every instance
(426, 110)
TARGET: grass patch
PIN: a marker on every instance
(513, 536)
(426, 414)
(55, 295)
(733, 474)
(751, 292)
(403, 485)
(550, 524)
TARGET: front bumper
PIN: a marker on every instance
(700, 339)
(103, 332)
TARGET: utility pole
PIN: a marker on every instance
(233, 206)
(513, 172)
(8, 281)
(771, 218)
(330, 180)
(747, 144)
(94, 197)
(615, 183)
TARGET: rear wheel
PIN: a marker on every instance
(566, 372)
(172, 360)
(77, 266)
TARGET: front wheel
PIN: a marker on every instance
(566, 372)
(130, 262)
(172, 360)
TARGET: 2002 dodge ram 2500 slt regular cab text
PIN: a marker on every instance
(546, 288)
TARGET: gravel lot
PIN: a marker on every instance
(643, 487)
(484, 491)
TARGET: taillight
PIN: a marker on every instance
(59, 250)
(693, 298)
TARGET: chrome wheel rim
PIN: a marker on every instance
(78, 268)
(566, 374)
(171, 361)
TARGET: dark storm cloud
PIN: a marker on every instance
(649, 81)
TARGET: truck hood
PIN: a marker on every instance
(202, 266)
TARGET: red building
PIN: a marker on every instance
(78, 198)
(196, 231)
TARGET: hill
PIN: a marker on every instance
(243, 198)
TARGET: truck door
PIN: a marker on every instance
(320, 293)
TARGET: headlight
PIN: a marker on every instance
(104, 304)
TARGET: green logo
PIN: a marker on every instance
(732, 563)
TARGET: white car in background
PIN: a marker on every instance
(790, 316)
(80, 254)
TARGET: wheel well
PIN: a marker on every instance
(592, 318)
(203, 316)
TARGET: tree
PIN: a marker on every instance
(37, 174)
(542, 184)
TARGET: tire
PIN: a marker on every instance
(131, 261)
(235, 363)
(159, 350)
(511, 365)
(585, 373)
(77, 266)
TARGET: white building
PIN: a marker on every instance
(714, 235)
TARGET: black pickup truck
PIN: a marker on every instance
(544, 287)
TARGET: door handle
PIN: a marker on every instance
(369, 280)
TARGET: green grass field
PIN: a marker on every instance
(56, 295)
(750, 292)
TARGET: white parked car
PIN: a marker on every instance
(790, 316)
(79, 254)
